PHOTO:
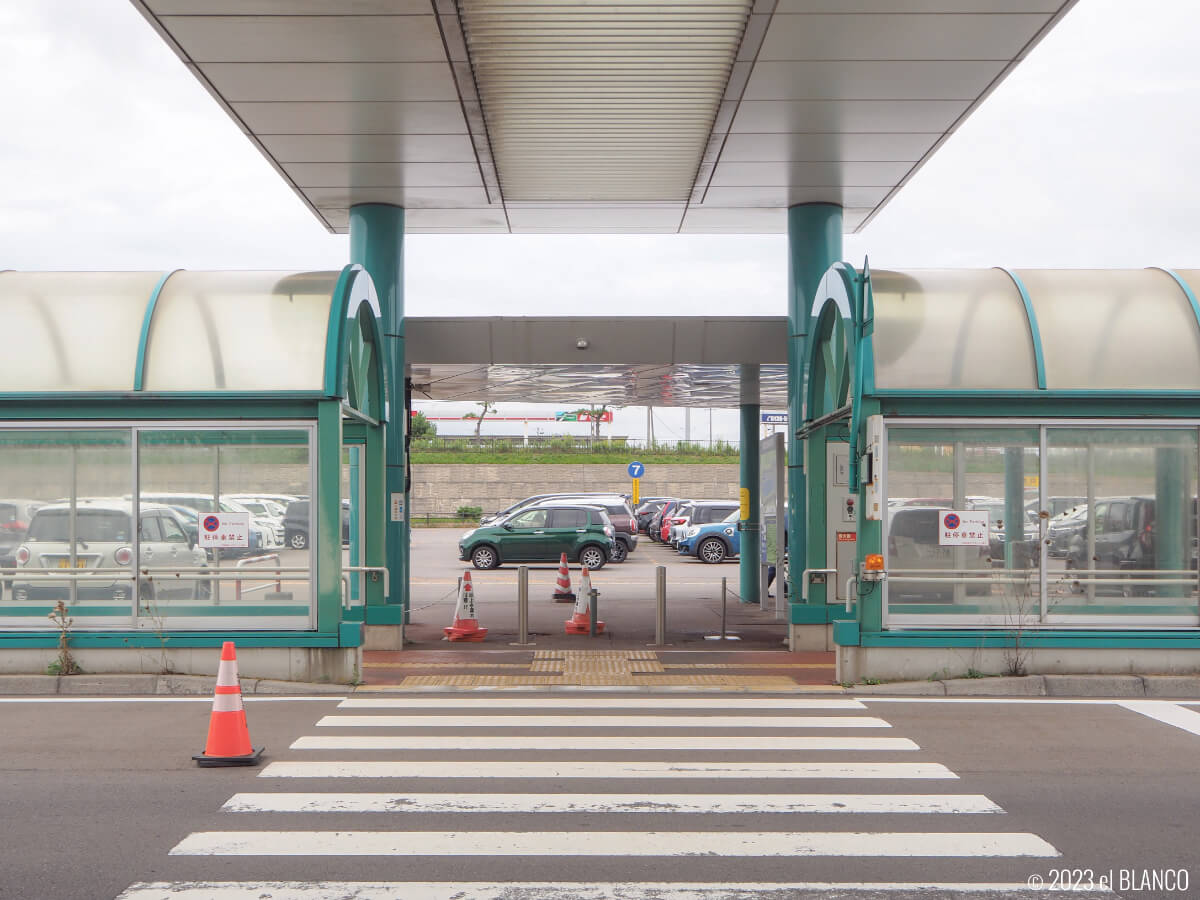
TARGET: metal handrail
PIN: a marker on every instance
(247, 560)
(348, 570)
(806, 575)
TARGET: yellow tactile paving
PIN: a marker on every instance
(584, 665)
(594, 654)
(766, 683)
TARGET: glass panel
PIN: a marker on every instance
(989, 471)
(187, 473)
(75, 331)
(68, 533)
(353, 511)
(951, 329)
(1124, 550)
(240, 331)
(1128, 330)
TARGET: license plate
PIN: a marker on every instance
(66, 564)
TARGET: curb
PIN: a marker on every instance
(156, 685)
(1181, 687)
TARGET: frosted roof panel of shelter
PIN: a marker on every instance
(544, 116)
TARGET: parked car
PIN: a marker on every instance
(1126, 539)
(542, 534)
(296, 524)
(104, 540)
(654, 531)
(619, 514)
(261, 535)
(1063, 528)
(713, 542)
(645, 512)
(700, 512)
(913, 544)
(677, 516)
(264, 510)
(14, 522)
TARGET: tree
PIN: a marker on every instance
(485, 408)
(595, 415)
(419, 426)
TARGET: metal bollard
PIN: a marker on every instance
(660, 618)
(523, 604)
(593, 610)
(724, 600)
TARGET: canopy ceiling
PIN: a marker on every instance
(543, 116)
(631, 361)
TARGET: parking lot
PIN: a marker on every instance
(627, 597)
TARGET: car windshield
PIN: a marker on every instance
(90, 525)
(732, 517)
(259, 509)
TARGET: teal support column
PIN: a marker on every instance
(377, 244)
(814, 244)
(1171, 531)
(1014, 507)
(749, 560)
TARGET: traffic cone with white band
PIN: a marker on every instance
(228, 735)
(466, 626)
(562, 590)
(581, 619)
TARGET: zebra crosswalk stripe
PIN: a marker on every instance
(792, 703)
(642, 721)
(614, 843)
(610, 803)
(599, 769)
(593, 742)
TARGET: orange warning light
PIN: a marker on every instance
(873, 562)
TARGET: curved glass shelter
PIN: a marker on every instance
(176, 450)
(1023, 448)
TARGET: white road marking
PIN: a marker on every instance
(543, 770)
(645, 721)
(592, 742)
(597, 703)
(1068, 701)
(613, 843)
(1166, 711)
(612, 803)
(630, 890)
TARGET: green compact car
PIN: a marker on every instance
(542, 534)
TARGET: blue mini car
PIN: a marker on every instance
(713, 543)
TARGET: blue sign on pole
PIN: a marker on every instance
(774, 418)
(636, 470)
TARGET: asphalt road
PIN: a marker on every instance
(99, 796)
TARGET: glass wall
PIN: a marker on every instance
(66, 526)
(68, 498)
(1053, 525)
(1126, 546)
(985, 568)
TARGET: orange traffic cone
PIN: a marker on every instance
(562, 590)
(228, 736)
(581, 620)
(466, 626)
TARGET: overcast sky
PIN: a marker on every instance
(113, 157)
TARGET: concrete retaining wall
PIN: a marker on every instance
(441, 489)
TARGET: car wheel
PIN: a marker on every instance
(620, 552)
(298, 540)
(592, 557)
(484, 557)
(711, 550)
